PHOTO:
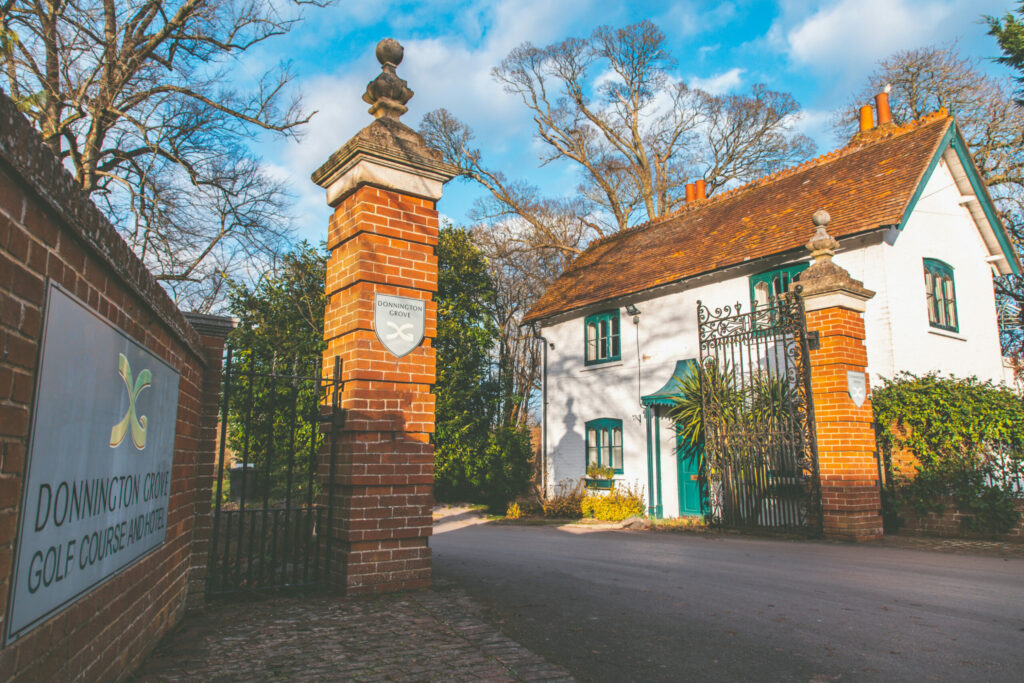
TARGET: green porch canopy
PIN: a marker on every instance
(670, 391)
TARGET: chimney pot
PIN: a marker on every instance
(701, 188)
(691, 192)
(882, 105)
(867, 119)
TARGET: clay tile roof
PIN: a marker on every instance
(865, 185)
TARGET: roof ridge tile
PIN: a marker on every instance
(753, 220)
(856, 143)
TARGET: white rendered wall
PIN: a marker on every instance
(667, 332)
(899, 336)
(941, 228)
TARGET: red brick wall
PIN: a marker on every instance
(204, 465)
(951, 522)
(49, 229)
(846, 438)
(381, 241)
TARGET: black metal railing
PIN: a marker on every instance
(761, 466)
(270, 507)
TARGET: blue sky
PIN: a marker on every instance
(821, 52)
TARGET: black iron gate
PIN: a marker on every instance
(761, 466)
(270, 509)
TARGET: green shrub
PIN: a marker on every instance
(968, 440)
(493, 475)
(566, 501)
(505, 471)
(481, 455)
(622, 502)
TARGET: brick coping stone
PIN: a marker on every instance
(433, 635)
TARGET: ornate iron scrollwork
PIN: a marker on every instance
(758, 414)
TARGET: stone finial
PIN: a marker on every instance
(387, 94)
(822, 245)
(824, 276)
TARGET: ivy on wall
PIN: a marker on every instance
(966, 438)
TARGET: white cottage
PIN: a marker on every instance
(914, 222)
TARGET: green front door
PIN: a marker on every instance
(688, 461)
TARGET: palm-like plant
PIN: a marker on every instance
(714, 386)
(773, 402)
(686, 413)
(744, 425)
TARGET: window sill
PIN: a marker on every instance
(598, 366)
(946, 333)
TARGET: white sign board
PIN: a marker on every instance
(857, 386)
(399, 322)
(98, 475)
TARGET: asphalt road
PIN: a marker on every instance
(621, 606)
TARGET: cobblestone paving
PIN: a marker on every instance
(433, 635)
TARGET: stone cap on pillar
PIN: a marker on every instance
(825, 284)
(387, 153)
(210, 325)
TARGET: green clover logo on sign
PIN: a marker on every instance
(137, 425)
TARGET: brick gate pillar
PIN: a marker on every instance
(213, 331)
(383, 185)
(835, 303)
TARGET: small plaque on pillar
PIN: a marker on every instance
(399, 322)
(857, 386)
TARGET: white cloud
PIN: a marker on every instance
(854, 34)
(721, 83)
(693, 18)
(817, 125)
(451, 71)
(839, 42)
(705, 51)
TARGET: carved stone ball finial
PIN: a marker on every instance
(822, 245)
(390, 51)
(387, 94)
(826, 277)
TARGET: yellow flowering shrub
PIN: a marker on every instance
(622, 502)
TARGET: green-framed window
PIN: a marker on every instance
(768, 286)
(604, 443)
(601, 337)
(940, 293)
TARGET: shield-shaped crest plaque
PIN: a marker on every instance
(857, 386)
(398, 322)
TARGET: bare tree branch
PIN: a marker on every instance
(139, 97)
(609, 105)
